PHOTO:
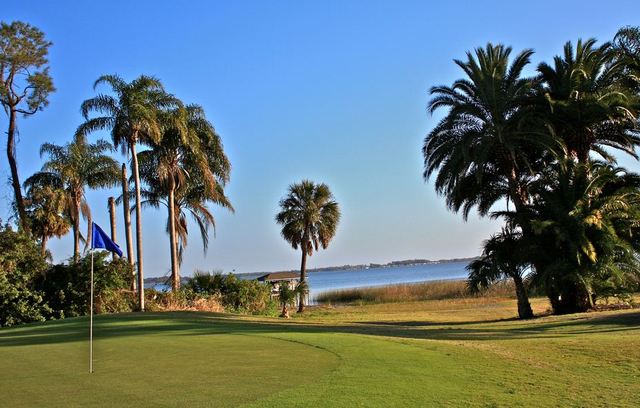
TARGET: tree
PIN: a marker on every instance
(133, 114)
(287, 297)
(502, 257)
(127, 219)
(191, 201)
(25, 85)
(309, 216)
(487, 147)
(20, 264)
(47, 211)
(626, 46)
(588, 102)
(186, 170)
(586, 233)
(71, 168)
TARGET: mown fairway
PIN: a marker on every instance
(435, 353)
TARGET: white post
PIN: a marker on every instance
(91, 320)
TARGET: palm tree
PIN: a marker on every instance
(487, 146)
(191, 201)
(287, 297)
(587, 101)
(71, 168)
(585, 227)
(46, 208)
(309, 216)
(132, 115)
(502, 257)
(184, 171)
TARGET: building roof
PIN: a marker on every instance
(279, 276)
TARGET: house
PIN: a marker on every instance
(275, 279)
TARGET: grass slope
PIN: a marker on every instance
(436, 353)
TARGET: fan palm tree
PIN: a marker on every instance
(287, 297)
(133, 115)
(503, 257)
(71, 168)
(185, 170)
(587, 101)
(309, 216)
(486, 148)
(46, 208)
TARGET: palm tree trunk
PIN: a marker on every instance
(43, 245)
(571, 298)
(76, 235)
(524, 307)
(127, 223)
(89, 242)
(15, 181)
(136, 178)
(285, 311)
(112, 221)
(175, 274)
(303, 276)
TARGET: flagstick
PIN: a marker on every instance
(91, 320)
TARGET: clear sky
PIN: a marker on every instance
(333, 91)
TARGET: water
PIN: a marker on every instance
(357, 278)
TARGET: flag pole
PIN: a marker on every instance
(91, 320)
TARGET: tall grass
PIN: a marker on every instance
(408, 292)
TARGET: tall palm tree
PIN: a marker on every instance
(46, 208)
(190, 201)
(71, 168)
(133, 115)
(309, 216)
(487, 147)
(185, 170)
(588, 101)
(503, 256)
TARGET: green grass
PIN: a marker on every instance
(468, 352)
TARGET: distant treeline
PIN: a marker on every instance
(165, 280)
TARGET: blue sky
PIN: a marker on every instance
(333, 91)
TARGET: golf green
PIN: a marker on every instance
(401, 355)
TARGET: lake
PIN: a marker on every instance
(356, 278)
(367, 277)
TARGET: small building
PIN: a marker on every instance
(276, 279)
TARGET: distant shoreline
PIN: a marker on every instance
(406, 262)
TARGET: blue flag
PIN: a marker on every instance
(102, 240)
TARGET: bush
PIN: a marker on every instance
(21, 261)
(66, 287)
(238, 295)
(184, 299)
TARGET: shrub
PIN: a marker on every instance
(66, 287)
(184, 299)
(239, 295)
(21, 261)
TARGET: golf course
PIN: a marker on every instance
(466, 352)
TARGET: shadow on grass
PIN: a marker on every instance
(194, 323)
